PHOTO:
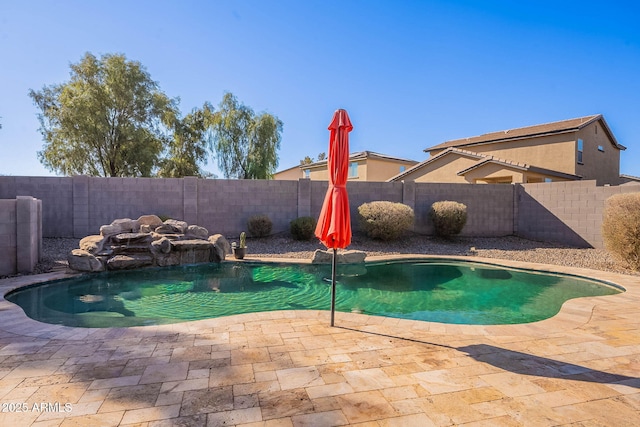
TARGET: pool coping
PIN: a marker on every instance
(573, 314)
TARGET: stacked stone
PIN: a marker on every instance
(147, 241)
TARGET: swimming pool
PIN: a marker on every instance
(446, 291)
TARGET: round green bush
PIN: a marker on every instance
(385, 220)
(259, 225)
(621, 227)
(448, 217)
(303, 228)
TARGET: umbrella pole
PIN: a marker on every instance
(333, 286)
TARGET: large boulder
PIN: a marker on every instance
(344, 257)
(152, 221)
(93, 244)
(192, 251)
(132, 238)
(181, 226)
(221, 247)
(82, 260)
(196, 232)
(161, 246)
(124, 262)
(124, 225)
(168, 229)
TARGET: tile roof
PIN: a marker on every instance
(544, 129)
(482, 160)
(359, 155)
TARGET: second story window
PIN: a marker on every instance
(580, 149)
(307, 173)
(402, 168)
(353, 170)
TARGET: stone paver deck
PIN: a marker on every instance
(290, 368)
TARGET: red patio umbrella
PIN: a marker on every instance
(334, 224)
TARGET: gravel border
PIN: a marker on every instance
(55, 250)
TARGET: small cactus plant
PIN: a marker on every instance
(243, 240)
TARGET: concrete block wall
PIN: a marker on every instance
(20, 234)
(563, 212)
(225, 206)
(113, 198)
(490, 208)
(569, 213)
(8, 251)
(56, 194)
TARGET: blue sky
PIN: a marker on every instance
(411, 74)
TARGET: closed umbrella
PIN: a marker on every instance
(334, 225)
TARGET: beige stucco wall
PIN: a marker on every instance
(368, 170)
(556, 152)
(444, 169)
(604, 167)
(319, 174)
(382, 170)
(289, 174)
(491, 171)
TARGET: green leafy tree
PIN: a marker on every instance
(246, 145)
(308, 160)
(188, 148)
(109, 119)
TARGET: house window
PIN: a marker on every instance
(580, 149)
(601, 148)
(402, 168)
(307, 173)
(353, 170)
(548, 180)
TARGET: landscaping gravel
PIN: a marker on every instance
(55, 250)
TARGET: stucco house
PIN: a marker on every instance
(574, 149)
(363, 166)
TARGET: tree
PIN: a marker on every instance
(246, 144)
(109, 119)
(308, 160)
(188, 148)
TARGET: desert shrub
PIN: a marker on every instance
(448, 217)
(302, 228)
(621, 227)
(385, 220)
(259, 225)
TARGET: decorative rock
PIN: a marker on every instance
(181, 226)
(82, 260)
(152, 221)
(122, 262)
(168, 260)
(127, 243)
(192, 251)
(172, 236)
(162, 246)
(221, 247)
(187, 245)
(346, 257)
(125, 225)
(132, 238)
(195, 231)
(92, 244)
(168, 229)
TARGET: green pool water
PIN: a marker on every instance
(436, 291)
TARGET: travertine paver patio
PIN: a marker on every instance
(290, 368)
